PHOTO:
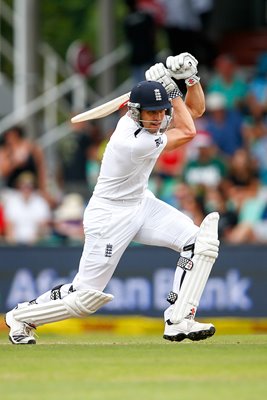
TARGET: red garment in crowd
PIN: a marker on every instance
(171, 162)
(2, 220)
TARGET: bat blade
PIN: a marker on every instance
(103, 110)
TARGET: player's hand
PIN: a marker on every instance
(183, 66)
(159, 73)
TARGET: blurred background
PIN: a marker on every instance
(59, 58)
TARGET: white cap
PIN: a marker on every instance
(203, 139)
(72, 208)
(215, 101)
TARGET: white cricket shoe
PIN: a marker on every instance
(187, 329)
(20, 332)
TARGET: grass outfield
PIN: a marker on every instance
(105, 367)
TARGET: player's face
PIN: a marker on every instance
(151, 120)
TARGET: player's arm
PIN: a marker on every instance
(182, 128)
(195, 100)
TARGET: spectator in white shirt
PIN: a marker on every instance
(27, 213)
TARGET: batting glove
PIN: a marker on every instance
(160, 74)
(183, 66)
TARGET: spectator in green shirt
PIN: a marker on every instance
(228, 82)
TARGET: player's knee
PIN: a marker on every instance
(208, 247)
(81, 303)
(204, 243)
(207, 242)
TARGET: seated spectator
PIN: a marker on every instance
(207, 169)
(170, 163)
(257, 89)
(68, 220)
(73, 154)
(215, 200)
(27, 213)
(18, 155)
(242, 180)
(228, 82)
(225, 126)
(188, 203)
(252, 224)
(92, 167)
(256, 132)
(167, 170)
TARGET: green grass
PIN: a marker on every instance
(99, 366)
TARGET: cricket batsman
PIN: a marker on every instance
(122, 210)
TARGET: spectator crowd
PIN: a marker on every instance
(223, 169)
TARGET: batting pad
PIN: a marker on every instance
(205, 254)
(80, 303)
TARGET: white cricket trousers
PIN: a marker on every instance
(110, 226)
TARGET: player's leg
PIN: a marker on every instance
(22, 332)
(108, 232)
(191, 276)
(29, 315)
(166, 226)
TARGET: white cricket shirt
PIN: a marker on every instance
(128, 160)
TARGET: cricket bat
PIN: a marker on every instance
(103, 110)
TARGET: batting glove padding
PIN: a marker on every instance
(159, 73)
(183, 66)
